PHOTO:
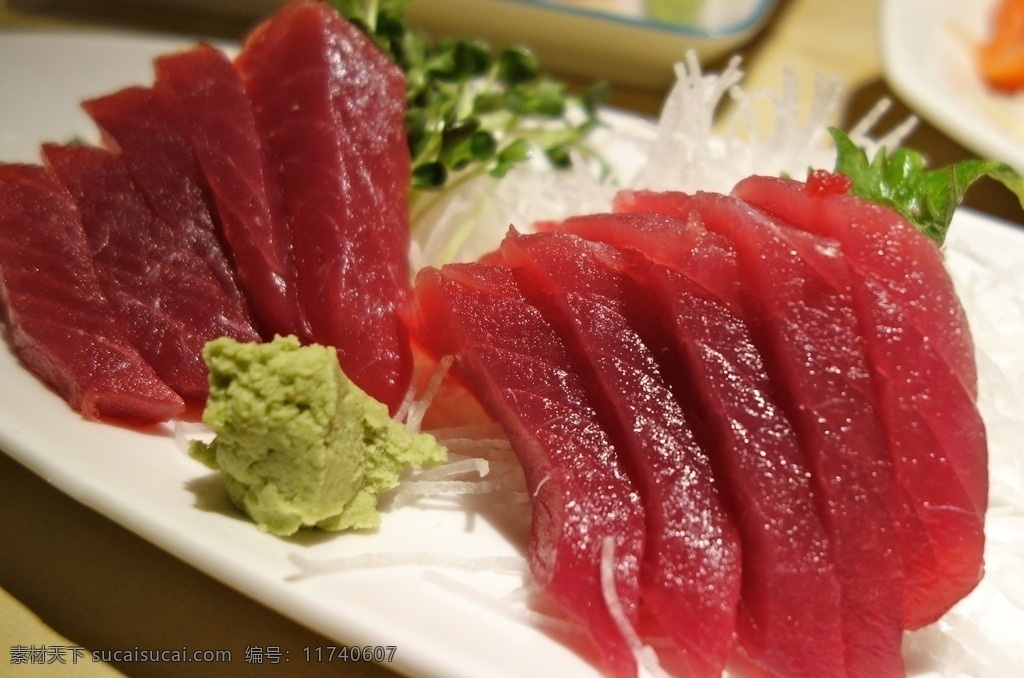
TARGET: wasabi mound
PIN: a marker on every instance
(298, 444)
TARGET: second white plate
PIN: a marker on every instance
(928, 55)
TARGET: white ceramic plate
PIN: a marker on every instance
(141, 480)
(574, 37)
(927, 50)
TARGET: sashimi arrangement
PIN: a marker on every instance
(727, 360)
(193, 234)
(747, 418)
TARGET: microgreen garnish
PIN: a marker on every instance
(471, 110)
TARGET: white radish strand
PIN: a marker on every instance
(311, 567)
(646, 657)
(511, 606)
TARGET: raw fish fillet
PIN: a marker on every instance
(800, 309)
(204, 93)
(516, 365)
(61, 325)
(165, 295)
(685, 300)
(139, 124)
(919, 344)
(690, 577)
(331, 109)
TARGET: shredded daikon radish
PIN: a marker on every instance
(494, 449)
(309, 567)
(506, 606)
(506, 485)
(412, 409)
(184, 431)
(409, 491)
(702, 146)
(711, 134)
(499, 475)
(646, 657)
(455, 467)
(860, 132)
(489, 430)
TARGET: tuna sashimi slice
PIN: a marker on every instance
(139, 124)
(513, 361)
(204, 93)
(684, 299)
(690, 577)
(800, 309)
(165, 295)
(922, 356)
(62, 326)
(331, 108)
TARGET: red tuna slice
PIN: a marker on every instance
(683, 299)
(515, 364)
(62, 326)
(920, 348)
(136, 122)
(165, 295)
(331, 107)
(204, 92)
(690, 577)
(800, 310)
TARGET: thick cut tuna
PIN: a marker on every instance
(919, 345)
(165, 295)
(204, 93)
(61, 325)
(136, 122)
(685, 299)
(331, 108)
(800, 309)
(690, 577)
(517, 366)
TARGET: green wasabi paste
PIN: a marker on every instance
(297, 443)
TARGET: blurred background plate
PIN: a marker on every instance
(627, 42)
(928, 52)
(618, 40)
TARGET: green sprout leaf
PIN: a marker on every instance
(900, 180)
(470, 110)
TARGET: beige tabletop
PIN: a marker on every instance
(70, 578)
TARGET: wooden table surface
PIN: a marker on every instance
(71, 578)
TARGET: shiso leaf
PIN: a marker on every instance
(900, 180)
